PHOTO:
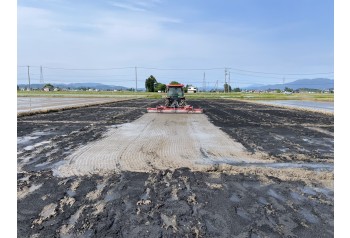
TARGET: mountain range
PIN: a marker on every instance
(317, 83)
(99, 86)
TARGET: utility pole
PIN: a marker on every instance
(29, 78)
(41, 75)
(225, 80)
(229, 81)
(284, 87)
(204, 84)
(216, 86)
(136, 78)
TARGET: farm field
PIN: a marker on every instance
(240, 169)
(321, 106)
(201, 95)
(43, 104)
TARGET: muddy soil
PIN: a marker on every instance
(285, 134)
(223, 201)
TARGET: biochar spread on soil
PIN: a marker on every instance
(238, 170)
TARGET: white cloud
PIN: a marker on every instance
(34, 17)
(127, 6)
(107, 38)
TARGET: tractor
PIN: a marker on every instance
(175, 101)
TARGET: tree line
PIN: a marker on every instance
(152, 85)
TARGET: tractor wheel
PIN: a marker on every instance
(182, 103)
(167, 102)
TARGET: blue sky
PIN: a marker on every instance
(291, 38)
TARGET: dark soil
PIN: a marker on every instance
(176, 203)
(282, 133)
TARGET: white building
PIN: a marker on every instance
(192, 89)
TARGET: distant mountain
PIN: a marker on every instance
(99, 86)
(317, 83)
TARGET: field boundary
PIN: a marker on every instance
(286, 107)
(63, 108)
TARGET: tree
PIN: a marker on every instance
(174, 82)
(186, 88)
(237, 90)
(160, 87)
(286, 89)
(49, 86)
(227, 88)
(278, 90)
(150, 83)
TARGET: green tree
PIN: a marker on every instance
(49, 86)
(227, 88)
(278, 90)
(150, 83)
(237, 90)
(160, 87)
(186, 88)
(174, 82)
(286, 89)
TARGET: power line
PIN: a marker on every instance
(260, 76)
(130, 67)
(181, 69)
(184, 69)
(259, 72)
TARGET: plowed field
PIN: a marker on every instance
(241, 169)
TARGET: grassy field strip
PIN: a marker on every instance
(201, 95)
(60, 107)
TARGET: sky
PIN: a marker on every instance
(192, 42)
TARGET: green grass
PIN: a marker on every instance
(200, 95)
(264, 96)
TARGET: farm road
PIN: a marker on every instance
(220, 199)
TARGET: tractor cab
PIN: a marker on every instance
(175, 90)
(175, 96)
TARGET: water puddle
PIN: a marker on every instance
(25, 139)
(243, 214)
(309, 216)
(262, 200)
(309, 191)
(274, 194)
(309, 166)
(234, 198)
(42, 164)
(320, 106)
(33, 136)
(110, 196)
(71, 193)
(297, 197)
(31, 147)
(146, 195)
